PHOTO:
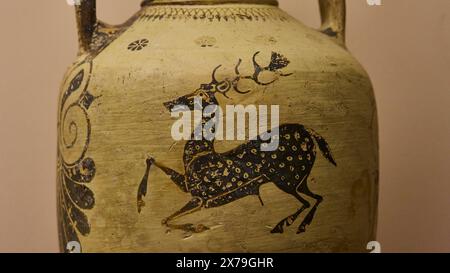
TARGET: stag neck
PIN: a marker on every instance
(207, 2)
(201, 126)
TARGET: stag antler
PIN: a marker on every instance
(222, 87)
(277, 63)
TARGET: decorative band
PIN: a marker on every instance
(226, 14)
(210, 2)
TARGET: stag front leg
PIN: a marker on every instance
(192, 206)
(142, 190)
(177, 178)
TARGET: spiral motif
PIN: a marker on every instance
(74, 133)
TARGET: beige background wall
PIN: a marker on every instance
(404, 45)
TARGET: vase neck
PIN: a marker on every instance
(207, 2)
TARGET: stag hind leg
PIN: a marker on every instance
(192, 206)
(279, 228)
(310, 216)
(292, 190)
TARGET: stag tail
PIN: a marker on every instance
(323, 146)
(142, 190)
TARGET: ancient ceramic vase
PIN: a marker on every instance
(126, 184)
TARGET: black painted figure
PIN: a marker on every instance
(215, 179)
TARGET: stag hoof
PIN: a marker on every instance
(140, 205)
(195, 228)
(150, 160)
(277, 229)
(201, 228)
(301, 229)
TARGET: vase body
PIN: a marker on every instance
(112, 119)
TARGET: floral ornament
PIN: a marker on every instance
(138, 45)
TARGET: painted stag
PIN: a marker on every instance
(216, 179)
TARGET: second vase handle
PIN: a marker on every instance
(86, 22)
(333, 13)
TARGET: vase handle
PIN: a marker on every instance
(333, 13)
(86, 23)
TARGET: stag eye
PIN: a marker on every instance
(203, 95)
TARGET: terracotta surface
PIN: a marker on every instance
(409, 75)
